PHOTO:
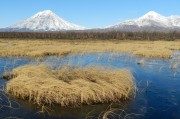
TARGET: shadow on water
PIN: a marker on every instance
(158, 82)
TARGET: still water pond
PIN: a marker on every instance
(158, 81)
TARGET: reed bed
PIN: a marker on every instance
(70, 86)
(41, 48)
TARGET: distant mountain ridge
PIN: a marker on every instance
(151, 21)
(49, 21)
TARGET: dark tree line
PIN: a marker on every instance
(93, 35)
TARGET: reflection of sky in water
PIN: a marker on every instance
(157, 80)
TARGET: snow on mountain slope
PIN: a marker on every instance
(153, 18)
(175, 20)
(150, 21)
(45, 21)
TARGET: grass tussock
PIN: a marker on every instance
(70, 86)
(41, 48)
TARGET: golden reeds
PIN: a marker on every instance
(41, 48)
(71, 86)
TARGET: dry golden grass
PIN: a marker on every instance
(41, 48)
(71, 86)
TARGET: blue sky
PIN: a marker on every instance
(88, 13)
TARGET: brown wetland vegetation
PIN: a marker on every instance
(45, 47)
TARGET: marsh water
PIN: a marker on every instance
(158, 82)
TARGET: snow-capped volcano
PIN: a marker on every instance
(45, 21)
(151, 21)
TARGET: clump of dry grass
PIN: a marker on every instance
(70, 86)
(41, 48)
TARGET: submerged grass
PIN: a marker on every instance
(69, 86)
(41, 48)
